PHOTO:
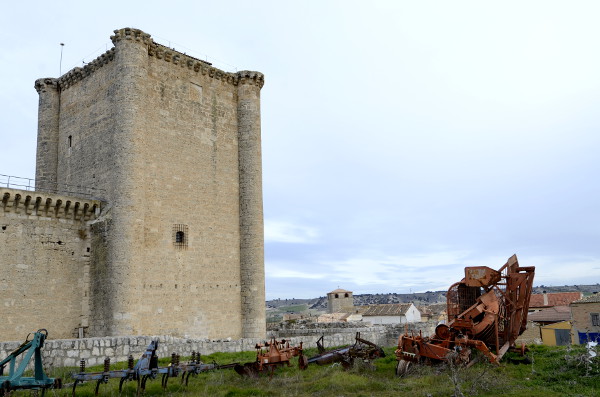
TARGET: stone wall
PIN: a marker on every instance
(344, 333)
(44, 262)
(581, 318)
(68, 352)
(532, 334)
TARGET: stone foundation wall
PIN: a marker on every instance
(532, 335)
(344, 333)
(68, 352)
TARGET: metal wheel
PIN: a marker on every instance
(402, 367)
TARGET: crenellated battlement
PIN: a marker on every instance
(176, 58)
(42, 85)
(130, 34)
(48, 205)
(250, 77)
(157, 51)
(76, 74)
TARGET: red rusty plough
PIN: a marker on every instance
(487, 311)
(269, 356)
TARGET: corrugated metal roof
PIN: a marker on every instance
(389, 309)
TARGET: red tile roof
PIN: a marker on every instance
(595, 298)
(554, 299)
(339, 290)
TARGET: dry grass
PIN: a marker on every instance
(555, 371)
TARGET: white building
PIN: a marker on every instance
(394, 313)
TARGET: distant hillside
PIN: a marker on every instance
(421, 298)
(586, 289)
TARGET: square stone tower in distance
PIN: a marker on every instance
(175, 145)
(340, 301)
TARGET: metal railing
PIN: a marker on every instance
(30, 184)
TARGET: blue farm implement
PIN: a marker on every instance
(15, 379)
(146, 368)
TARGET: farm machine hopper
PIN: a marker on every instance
(487, 310)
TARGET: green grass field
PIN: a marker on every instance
(552, 371)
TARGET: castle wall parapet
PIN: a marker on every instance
(157, 51)
(33, 203)
(67, 352)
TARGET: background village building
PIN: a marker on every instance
(551, 315)
(340, 300)
(556, 334)
(392, 313)
(542, 301)
(435, 312)
(167, 235)
(585, 315)
(549, 318)
(338, 317)
(552, 325)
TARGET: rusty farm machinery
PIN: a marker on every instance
(15, 380)
(362, 349)
(273, 354)
(146, 368)
(487, 311)
(269, 356)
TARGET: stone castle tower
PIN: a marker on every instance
(172, 148)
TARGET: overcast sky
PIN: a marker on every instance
(402, 140)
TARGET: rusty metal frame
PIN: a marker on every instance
(486, 310)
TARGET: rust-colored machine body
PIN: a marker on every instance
(268, 356)
(362, 349)
(487, 310)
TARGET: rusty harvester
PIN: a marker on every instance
(487, 311)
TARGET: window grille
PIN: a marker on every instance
(180, 235)
(595, 319)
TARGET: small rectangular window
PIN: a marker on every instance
(180, 235)
(595, 319)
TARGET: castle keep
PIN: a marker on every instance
(170, 239)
